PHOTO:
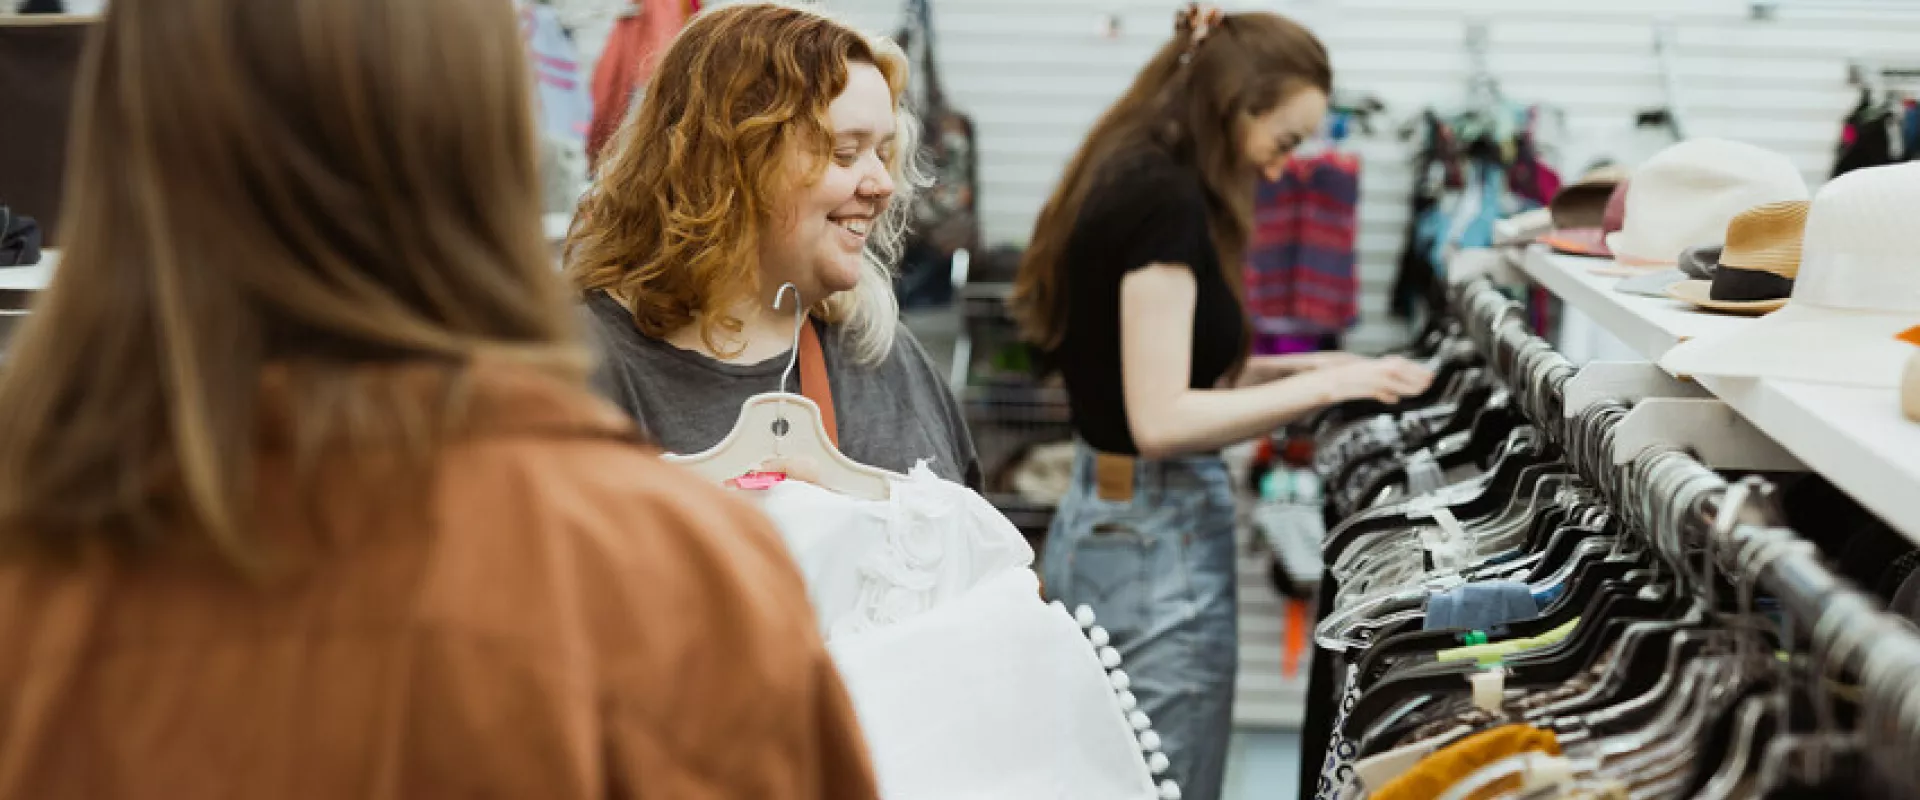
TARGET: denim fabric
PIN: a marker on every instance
(1478, 606)
(1158, 571)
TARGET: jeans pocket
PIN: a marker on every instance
(1107, 570)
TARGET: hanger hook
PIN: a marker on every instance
(799, 319)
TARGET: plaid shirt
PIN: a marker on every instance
(1300, 268)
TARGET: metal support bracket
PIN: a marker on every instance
(1711, 430)
(1626, 381)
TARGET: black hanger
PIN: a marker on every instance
(1446, 678)
(1634, 708)
(1491, 428)
(1466, 403)
(1497, 487)
(1608, 615)
(1653, 118)
(1467, 410)
(1399, 690)
(1561, 545)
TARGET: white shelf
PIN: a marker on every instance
(1856, 438)
(1649, 325)
(31, 278)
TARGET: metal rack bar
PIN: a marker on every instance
(1846, 628)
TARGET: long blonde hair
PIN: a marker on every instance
(322, 184)
(673, 222)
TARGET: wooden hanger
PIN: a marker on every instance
(782, 430)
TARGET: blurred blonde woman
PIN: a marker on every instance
(302, 491)
(773, 150)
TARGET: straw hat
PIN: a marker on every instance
(1685, 196)
(1757, 267)
(1857, 291)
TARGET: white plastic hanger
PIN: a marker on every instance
(784, 430)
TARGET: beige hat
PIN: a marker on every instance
(1685, 196)
(1758, 264)
(1857, 292)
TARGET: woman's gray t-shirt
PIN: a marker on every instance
(891, 415)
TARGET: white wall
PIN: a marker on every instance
(1035, 73)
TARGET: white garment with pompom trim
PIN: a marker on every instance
(967, 685)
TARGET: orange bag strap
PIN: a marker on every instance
(814, 384)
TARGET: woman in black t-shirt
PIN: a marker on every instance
(1132, 284)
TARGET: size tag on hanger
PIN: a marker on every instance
(1489, 688)
(757, 481)
(1423, 473)
(1449, 546)
(1419, 508)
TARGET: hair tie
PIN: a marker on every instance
(1197, 20)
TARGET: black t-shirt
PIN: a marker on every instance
(1145, 208)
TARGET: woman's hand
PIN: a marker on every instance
(1267, 369)
(1384, 379)
(1168, 418)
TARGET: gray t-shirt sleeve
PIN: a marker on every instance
(952, 418)
(892, 415)
(610, 378)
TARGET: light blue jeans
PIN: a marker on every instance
(1158, 571)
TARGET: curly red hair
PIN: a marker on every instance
(673, 223)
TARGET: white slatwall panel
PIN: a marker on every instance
(1035, 73)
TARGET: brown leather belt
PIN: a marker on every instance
(1113, 476)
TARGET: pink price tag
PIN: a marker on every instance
(757, 481)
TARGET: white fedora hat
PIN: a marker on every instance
(1857, 291)
(1684, 197)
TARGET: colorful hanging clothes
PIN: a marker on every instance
(565, 107)
(632, 54)
(1300, 276)
(1876, 133)
(1464, 183)
(1437, 773)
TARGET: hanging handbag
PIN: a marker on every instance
(945, 215)
(19, 239)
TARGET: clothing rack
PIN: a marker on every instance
(1844, 629)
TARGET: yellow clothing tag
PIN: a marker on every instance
(1496, 652)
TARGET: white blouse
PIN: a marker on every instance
(966, 684)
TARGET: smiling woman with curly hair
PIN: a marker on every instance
(777, 153)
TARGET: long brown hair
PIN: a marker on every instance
(1192, 101)
(673, 223)
(319, 184)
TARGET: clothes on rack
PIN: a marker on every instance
(1542, 619)
(1300, 265)
(631, 55)
(965, 682)
(565, 108)
(1470, 171)
(1880, 130)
